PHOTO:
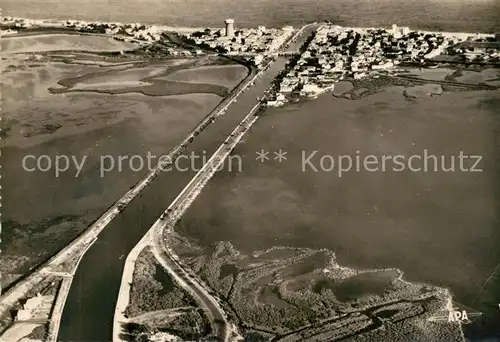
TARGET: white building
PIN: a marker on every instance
(310, 89)
(258, 59)
(273, 103)
(394, 29)
(383, 66)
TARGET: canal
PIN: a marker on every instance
(89, 309)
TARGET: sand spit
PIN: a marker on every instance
(210, 74)
(159, 79)
(44, 100)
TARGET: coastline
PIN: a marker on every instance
(184, 29)
(57, 23)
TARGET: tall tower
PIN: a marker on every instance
(394, 28)
(229, 28)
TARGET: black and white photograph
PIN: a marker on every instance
(250, 171)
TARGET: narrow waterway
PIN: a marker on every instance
(89, 309)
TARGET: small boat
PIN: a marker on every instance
(121, 256)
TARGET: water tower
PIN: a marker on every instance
(229, 28)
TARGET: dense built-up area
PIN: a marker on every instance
(135, 31)
(336, 53)
(244, 41)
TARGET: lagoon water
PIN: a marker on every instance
(448, 15)
(438, 227)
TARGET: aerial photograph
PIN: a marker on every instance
(250, 171)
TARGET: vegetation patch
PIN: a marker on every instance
(302, 294)
(153, 289)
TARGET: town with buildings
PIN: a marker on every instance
(252, 44)
(255, 43)
(133, 31)
(336, 53)
(148, 37)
